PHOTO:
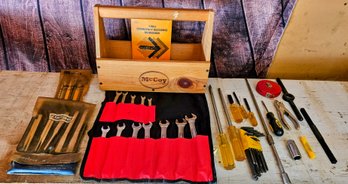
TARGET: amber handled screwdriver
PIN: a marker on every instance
(251, 115)
(241, 107)
(233, 133)
(235, 110)
(224, 146)
(276, 127)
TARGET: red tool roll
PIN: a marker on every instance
(114, 156)
(169, 159)
(135, 112)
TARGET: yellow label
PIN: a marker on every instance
(151, 39)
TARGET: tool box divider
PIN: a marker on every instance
(186, 71)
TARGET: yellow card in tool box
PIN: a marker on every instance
(151, 39)
(186, 71)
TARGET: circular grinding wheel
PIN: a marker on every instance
(268, 88)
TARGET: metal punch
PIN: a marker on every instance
(282, 111)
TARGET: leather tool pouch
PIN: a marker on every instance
(124, 157)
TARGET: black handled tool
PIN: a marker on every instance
(276, 127)
(319, 137)
(284, 175)
(290, 99)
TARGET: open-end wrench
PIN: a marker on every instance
(124, 95)
(120, 128)
(147, 128)
(143, 100)
(105, 131)
(149, 101)
(135, 130)
(133, 98)
(290, 99)
(164, 127)
(181, 126)
(191, 122)
(118, 94)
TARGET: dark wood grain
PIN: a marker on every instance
(3, 58)
(186, 32)
(230, 40)
(22, 35)
(265, 28)
(64, 33)
(114, 28)
(66, 38)
(149, 3)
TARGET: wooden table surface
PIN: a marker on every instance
(325, 102)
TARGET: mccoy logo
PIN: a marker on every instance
(153, 79)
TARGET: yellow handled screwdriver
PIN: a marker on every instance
(251, 115)
(233, 133)
(235, 110)
(241, 107)
(224, 146)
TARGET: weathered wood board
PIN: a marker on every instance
(22, 34)
(66, 42)
(21, 89)
(53, 34)
(114, 28)
(3, 57)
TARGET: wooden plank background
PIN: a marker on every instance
(50, 35)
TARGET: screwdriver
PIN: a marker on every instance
(276, 127)
(224, 146)
(235, 110)
(233, 133)
(242, 109)
(251, 115)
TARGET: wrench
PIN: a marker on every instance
(143, 100)
(118, 94)
(120, 128)
(181, 127)
(105, 131)
(164, 127)
(135, 130)
(147, 128)
(191, 122)
(149, 101)
(133, 98)
(124, 95)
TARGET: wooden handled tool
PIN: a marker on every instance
(32, 132)
(73, 140)
(44, 134)
(62, 140)
(56, 130)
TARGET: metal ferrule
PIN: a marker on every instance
(293, 150)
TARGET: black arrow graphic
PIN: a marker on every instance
(163, 49)
(155, 47)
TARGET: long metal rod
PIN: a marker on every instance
(227, 114)
(269, 137)
(218, 122)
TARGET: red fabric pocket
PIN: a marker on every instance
(138, 159)
(136, 112)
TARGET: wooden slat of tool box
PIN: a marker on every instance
(187, 70)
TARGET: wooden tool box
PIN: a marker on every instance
(186, 71)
